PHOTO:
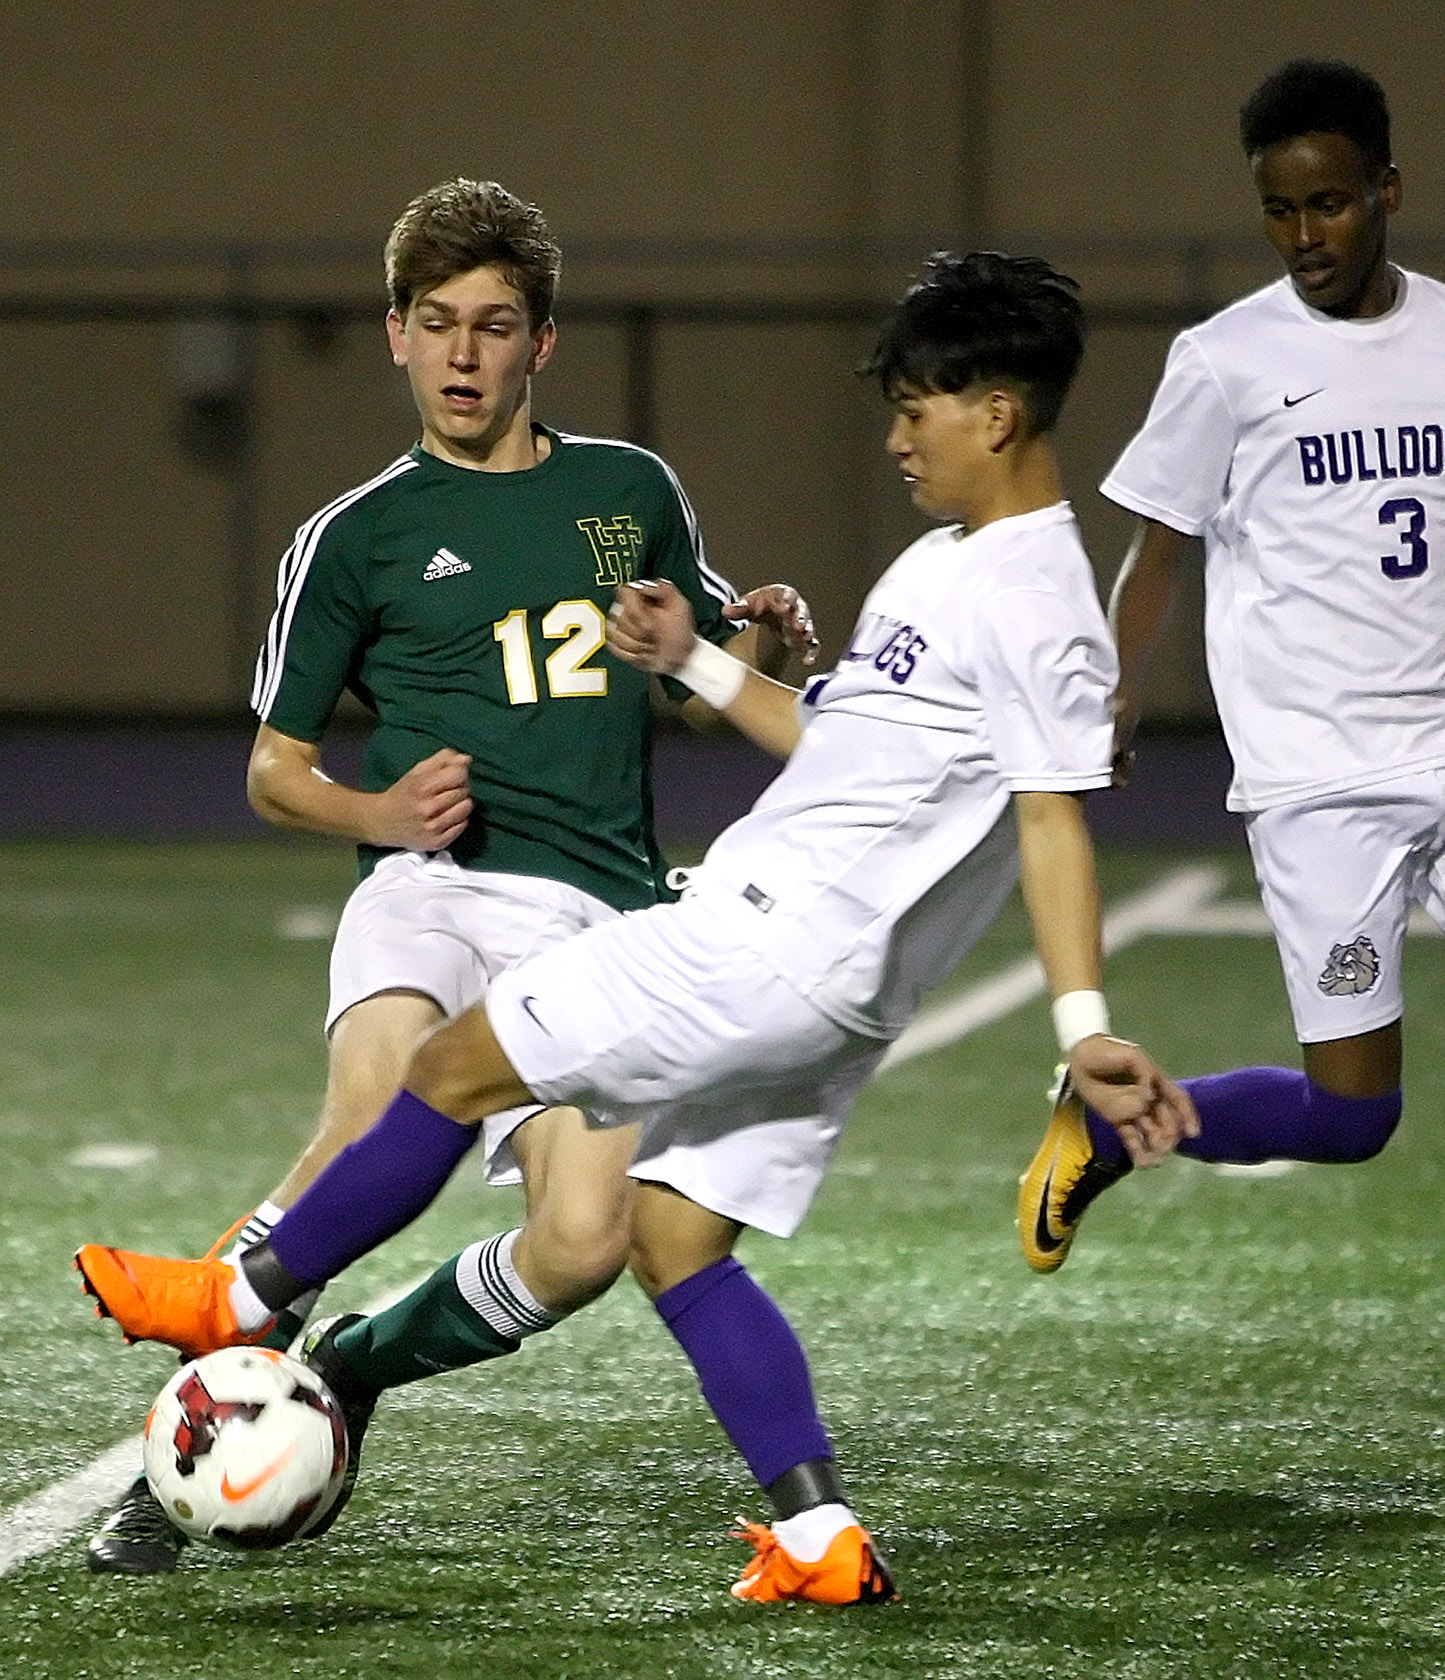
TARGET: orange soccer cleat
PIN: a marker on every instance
(849, 1572)
(183, 1302)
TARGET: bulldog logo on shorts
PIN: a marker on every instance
(1352, 969)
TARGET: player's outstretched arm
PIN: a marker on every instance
(651, 626)
(424, 810)
(1139, 605)
(1116, 1079)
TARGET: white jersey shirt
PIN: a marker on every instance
(1308, 453)
(981, 666)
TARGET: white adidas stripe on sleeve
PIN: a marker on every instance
(291, 577)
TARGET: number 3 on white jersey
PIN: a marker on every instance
(1412, 537)
(582, 630)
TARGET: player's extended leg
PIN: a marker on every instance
(372, 1189)
(369, 1048)
(1337, 877)
(483, 1302)
(1343, 1108)
(754, 1374)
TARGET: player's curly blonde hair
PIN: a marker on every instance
(460, 225)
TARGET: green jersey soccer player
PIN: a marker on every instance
(504, 801)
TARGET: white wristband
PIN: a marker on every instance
(713, 676)
(1079, 1015)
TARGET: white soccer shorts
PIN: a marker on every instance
(665, 1018)
(422, 923)
(1338, 876)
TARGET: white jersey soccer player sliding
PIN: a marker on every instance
(739, 1025)
(1299, 433)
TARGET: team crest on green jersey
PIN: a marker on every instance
(616, 543)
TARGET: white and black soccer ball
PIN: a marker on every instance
(245, 1448)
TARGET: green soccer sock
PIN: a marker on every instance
(284, 1331)
(438, 1327)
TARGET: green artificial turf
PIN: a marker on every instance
(1208, 1448)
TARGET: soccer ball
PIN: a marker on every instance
(245, 1448)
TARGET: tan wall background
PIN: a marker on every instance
(735, 152)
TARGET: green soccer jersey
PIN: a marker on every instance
(468, 610)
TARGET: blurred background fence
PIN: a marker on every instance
(190, 294)
(218, 392)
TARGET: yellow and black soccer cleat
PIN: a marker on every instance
(1063, 1179)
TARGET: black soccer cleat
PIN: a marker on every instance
(318, 1353)
(137, 1538)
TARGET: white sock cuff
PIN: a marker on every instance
(256, 1228)
(493, 1288)
(250, 1310)
(809, 1534)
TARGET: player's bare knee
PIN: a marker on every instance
(438, 1073)
(588, 1242)
(597, 1263)
(672, 1238)
(642, 1263)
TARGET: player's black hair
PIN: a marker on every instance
(1318, 96)
(984, 316)
(460, 225)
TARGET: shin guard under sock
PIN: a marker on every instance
(750, 1366)
(373, 1189)
(433, 1329)
(1279, 1114)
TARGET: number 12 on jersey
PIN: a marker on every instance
(582, 630)
(1412, 537)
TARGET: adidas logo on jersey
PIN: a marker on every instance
(444, 564)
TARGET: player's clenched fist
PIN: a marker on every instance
(650, 626)
(428, 807)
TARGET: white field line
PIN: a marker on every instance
(1166, 907)
(39, 1523)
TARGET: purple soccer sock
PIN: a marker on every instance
(372, 1189)
(750, 1365)
(1274, 1114)
(1279, 1114)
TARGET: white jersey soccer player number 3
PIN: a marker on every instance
(1308, 453)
